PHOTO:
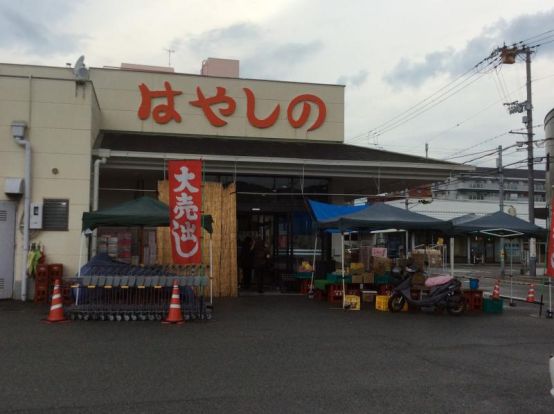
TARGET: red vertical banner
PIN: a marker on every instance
(185, 216)
(550, 253)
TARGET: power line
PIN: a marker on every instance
(539, 35)
(430, 105)
(446, 88)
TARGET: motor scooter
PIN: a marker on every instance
(444, 292)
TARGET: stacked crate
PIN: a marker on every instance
(41, 284)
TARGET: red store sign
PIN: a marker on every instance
(220, 106)
(185, 201)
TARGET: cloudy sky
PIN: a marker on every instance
(409, 66)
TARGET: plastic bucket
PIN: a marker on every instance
(474, 283)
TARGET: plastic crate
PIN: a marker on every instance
(382, 279)
(337, 278)
(474, 300)
(382, 303)
(353, 301)
(493, 305)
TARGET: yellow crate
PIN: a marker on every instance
(382, 303)
(353, 301)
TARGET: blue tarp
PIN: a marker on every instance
(325, 211)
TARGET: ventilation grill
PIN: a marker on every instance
(3, 215)
(55, 214)
(2, 284)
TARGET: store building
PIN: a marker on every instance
(91, 138)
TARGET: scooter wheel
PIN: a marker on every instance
(456, 305)
(396, 302)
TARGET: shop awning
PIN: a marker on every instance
(381, 216)
(143, 211)
(499, 224)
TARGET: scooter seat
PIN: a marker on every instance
(438, 280)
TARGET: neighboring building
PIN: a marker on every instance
(483, 184)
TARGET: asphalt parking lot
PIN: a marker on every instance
(278, 354)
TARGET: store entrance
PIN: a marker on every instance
(289, 239)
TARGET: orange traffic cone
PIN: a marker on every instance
(56, 308)
(174, 316)
(531, 293)
(496, 290)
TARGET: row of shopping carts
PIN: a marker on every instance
(138, 297)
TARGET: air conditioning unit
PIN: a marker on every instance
(14, 186)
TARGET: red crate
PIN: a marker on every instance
(55, 271)
(305, 286)
(474, 300)
(334, 293)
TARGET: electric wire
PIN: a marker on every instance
(438, 100)
(448, 87)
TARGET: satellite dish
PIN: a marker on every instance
(80, 70)
(512, 211)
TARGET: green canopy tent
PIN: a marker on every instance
(143, 212)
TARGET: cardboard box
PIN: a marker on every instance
(381, 265)
(368, 277)
(358, 279)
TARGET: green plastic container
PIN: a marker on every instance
(493, 305)
(382, 279)
(337, 278)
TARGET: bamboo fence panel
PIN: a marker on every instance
(221, 205)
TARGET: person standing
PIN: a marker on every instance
(261, 256)
(246, 261)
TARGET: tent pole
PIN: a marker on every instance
(311, 292)
(81, 254)
(211, 273)
(342, 260)
(452, 256)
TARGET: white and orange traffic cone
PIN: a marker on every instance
(56, 308)
(531, 293)
(174, 315)
(496, 290)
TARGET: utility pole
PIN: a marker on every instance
(500, 179)
(501, 206)
(508, 56)
(426, 150)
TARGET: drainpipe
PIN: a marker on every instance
(27, 209)
(95, 191)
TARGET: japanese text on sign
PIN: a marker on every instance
(185, 181)
(220, 106)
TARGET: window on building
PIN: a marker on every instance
(55, 214)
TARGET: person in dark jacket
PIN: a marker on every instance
(246, 261)
(261, 256)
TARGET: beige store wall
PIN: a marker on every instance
(62, 119)
(119, 97)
